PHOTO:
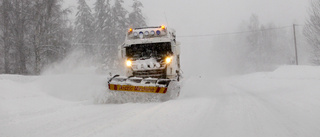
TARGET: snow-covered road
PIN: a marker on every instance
(283, 103)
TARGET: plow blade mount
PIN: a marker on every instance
(134, 84)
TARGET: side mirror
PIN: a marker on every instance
(121, 51)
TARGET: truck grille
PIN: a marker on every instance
(157, 73)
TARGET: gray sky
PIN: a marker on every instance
(223, 15)
(217, 16)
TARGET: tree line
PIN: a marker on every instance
(312, 30)
(278, 48)
(267, 46)
(36, 33)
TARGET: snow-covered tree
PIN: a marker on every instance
(119, 22)
(33, 34)
(83, 25)
(15, 19)
(100, 16)
(108, 23)
(6, 37)
(103, 30)
(254, 41)
(117, 28)
(48, 32)
(136, 19)
(267, 47)
(312, 30)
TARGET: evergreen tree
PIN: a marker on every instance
(35, 33)
(136, 18)
(99, 21)
(119, 22)
(84, 29)
(116, 32)
(108, 23)
(102, 27)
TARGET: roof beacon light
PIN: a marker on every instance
(152, 32)
(130, 30)
(158, 32)
(163, 27)
(141, 34)
(135, 34)
(146, 33)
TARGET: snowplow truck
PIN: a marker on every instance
(151, 60)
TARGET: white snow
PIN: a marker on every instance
(283, 103)
(145, 64)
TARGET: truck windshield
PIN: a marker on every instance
(150, 50)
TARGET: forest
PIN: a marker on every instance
(37, 33)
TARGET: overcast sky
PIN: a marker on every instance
(217, 16)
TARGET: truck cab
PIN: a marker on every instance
(151, 52)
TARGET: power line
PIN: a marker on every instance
(94, 44)
(233, 33)
(307, 25)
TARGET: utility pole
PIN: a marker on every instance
(295, 43)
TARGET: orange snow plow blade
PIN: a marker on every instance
(145, 89)
(134, 84)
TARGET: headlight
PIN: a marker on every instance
(158, 32)
(129, 63)
(168, 60)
